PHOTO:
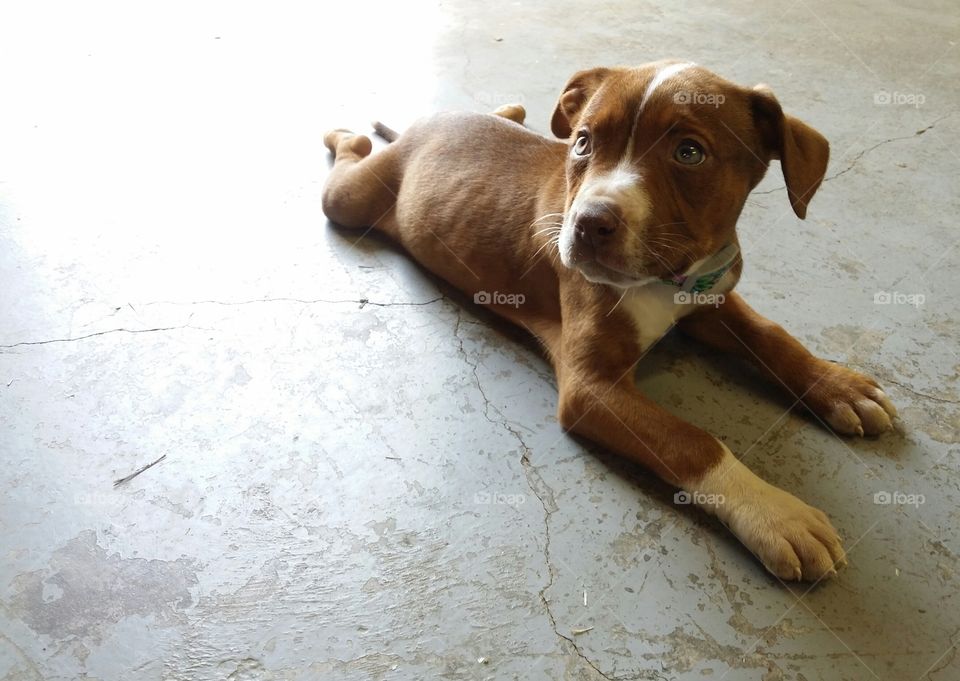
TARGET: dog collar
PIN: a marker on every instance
(709, 273)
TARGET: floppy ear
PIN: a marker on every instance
(575, 95)
(803, 152)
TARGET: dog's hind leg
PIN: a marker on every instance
(512, 112)
(361, 189)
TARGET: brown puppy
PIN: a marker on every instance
(602, 243)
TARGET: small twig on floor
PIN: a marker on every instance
(138, 472)
(395, 458)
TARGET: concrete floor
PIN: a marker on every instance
(364, 478)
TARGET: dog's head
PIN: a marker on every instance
(661, 159)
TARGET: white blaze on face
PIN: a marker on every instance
(663, 75)
(620, 187)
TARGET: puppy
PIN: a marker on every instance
(611, 237)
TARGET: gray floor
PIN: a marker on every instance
(364, 478)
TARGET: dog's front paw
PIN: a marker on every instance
(793, 540)
(850, 403)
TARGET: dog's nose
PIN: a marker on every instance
(594, 225)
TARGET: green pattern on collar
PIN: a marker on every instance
(709, 273)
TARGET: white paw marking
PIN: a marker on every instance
(793, 540)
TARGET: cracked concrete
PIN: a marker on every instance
(92, 335)
(860, 154)
(364, 477)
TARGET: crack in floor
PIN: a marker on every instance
(99, 333)
(880, 376)
(864, 152)
(917, 393)
(545, 497)
(360, 302)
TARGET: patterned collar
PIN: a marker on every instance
(709, 273)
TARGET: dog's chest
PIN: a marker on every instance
(655, 308)
(653, 311)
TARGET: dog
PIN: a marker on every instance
(621, 228)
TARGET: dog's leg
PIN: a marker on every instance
(848, 401)
(793, 540)
(512, 112)
(599, 400)
(361, 189)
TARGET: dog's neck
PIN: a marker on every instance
(705, 276)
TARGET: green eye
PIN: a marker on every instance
(689, 153)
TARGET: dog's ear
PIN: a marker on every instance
(803, 152)
(575, 95)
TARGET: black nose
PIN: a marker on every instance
(595, 225)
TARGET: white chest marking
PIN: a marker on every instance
(653, 311)
(654, 308)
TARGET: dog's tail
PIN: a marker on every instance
(386, 133)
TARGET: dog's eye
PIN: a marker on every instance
(582, 146)
(689, 153)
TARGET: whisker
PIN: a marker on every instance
(552, 241)
(673, 246)
(619, 300)
(657, 257)
(667, 224)
(545, 217)
(670, 242)
(542, 246)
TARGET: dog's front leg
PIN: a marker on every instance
(793, 540)
(848, 401)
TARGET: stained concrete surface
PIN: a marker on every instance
(364, 477)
